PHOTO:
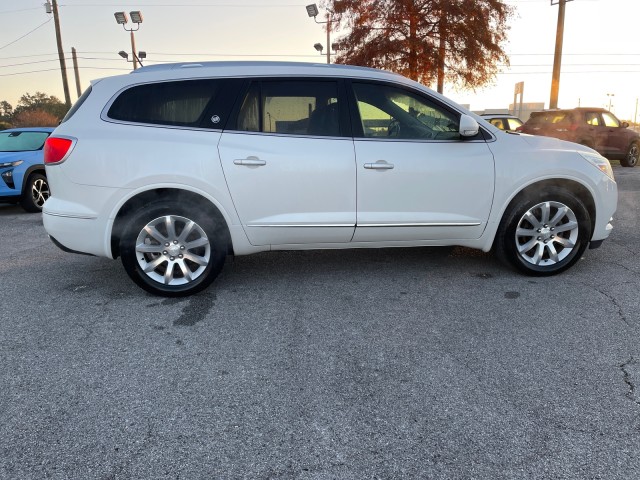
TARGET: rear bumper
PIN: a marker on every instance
(65, 249)
(77, 233)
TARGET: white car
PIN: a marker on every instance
(175, 166)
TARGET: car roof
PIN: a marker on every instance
(263, 67)
(577, 109)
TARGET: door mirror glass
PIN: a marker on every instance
(625, 125)
(468, 126)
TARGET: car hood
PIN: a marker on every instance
(549, 143)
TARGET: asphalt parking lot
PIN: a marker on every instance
(431, 363)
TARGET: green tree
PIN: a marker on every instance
(6, 114)
(426, 40)
(41, 102)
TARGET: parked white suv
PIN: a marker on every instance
(175, 166)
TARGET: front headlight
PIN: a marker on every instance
(11, 164)
(599, 162)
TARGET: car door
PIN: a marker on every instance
(612, 136)
(417, 178)
(289, 163)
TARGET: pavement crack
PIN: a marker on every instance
(626, 376)
(613, 300)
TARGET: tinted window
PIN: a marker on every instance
(592, 118)
(22, 141)
(181, 103)
(541, 118)
(291, 107)
(390, 112)
(77, 105)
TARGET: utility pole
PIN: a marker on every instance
(75, 71)
(63, 65)
(557, 58)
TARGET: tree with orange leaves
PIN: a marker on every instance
(426, 40)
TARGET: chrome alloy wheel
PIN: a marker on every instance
(633, 155)
(547, 233)
(173, 250)
(40, 192)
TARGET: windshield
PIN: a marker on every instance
(22, 141)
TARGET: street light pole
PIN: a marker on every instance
(123, 19)
(610, 95)
(312, 11)
(328, 38)
(133, 50)
(557, 58)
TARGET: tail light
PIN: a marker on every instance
(56, 149)
(573, 127)
(519, 129)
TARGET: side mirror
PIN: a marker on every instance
(468, 126)
(625, 125)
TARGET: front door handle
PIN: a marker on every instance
(380, 165)
(250, 162)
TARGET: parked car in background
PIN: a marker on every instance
(596, 128)
(503, 121)
(22, 173)
(173, 167)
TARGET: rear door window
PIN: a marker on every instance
(292, 107)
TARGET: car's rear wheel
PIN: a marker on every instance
(173, 249)
(631, 160)
(544, 233)
(35, 193)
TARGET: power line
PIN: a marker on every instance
(28, 33)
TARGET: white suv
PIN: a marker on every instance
(175, 166)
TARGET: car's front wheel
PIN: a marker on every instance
(631, 160)
(35, 193)
(544, 233)
(173, 249)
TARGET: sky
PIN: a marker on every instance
(600, 63)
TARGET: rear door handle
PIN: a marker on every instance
(250, 162)
(379, 166)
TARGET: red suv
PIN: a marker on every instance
(594, 127)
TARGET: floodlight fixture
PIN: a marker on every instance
(318, 47)
(334, 47)
(123, 54)
(121, 17)
(136, 16)
(312, 10)
(142, 55)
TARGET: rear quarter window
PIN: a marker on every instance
(77, 105)
(182, 103)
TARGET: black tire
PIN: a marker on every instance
(565, 232)
(195, 250)
(35, 193)
(631, 159)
